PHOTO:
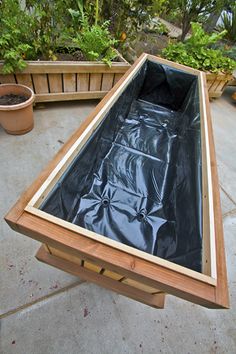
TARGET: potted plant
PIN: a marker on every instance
(16, 108)
(196, 52)
(39, 48)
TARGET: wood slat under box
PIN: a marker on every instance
(58, 253)
(140, 286)
(155, 300)
(97, 269)
(113, 275)
(92, 266)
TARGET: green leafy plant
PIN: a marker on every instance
(230, 52)
(50, 21)
(14, 47)
(96, 42)
(196, 52)
(41, 27)
(188, 11)
(229, 23)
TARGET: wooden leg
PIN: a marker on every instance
(156, 300)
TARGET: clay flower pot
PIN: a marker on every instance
(17, 118)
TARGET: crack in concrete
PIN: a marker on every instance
(30, 304)
(230, 198)
(231, 212)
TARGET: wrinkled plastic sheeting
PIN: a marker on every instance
(138, 178)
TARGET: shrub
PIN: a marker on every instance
(196, 52)
(14, 26)
(95, 42)
(229, 23)
(43, 26)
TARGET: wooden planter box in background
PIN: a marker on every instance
(216, 83)
(68, 80)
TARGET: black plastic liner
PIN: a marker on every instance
(138, 178)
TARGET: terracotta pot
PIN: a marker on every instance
(18, 118)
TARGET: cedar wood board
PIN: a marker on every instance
(209, 289)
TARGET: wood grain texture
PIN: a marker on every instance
(156, 301)
(98, 269)
(69, 82)
(55, 83)
(58, 253)
(82, 82)
(25, 79)
(40, 83)
(107, 82)
(95, 82)
(92, 266)
(69, 96)
(221, 290)
(113, 275)
(68, 67)
(7, 79)
(117, 78)
(138, 285)
(208, 231)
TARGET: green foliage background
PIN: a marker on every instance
(196, 52)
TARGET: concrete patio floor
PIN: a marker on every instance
(46, 311)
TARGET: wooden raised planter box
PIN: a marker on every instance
(216, 83)
(121, 175)
(68, 80)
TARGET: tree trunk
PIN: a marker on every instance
(185, 28)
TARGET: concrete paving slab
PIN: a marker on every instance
(86, 318)
(227, 205)
(89, 319)
(22, 278)
(224, 125)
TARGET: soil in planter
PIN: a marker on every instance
(62, 54)
(11, 99)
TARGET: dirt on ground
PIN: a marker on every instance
(11, 99)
